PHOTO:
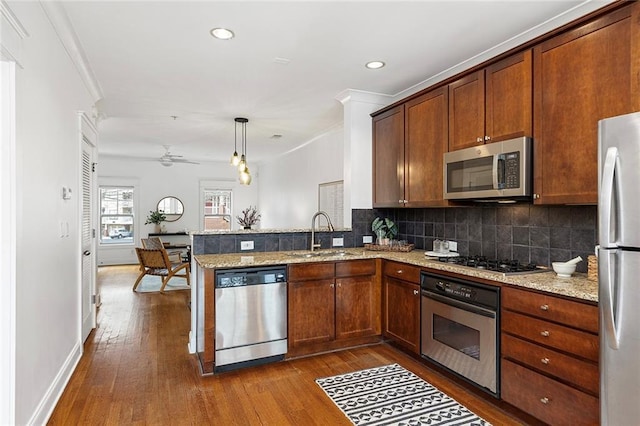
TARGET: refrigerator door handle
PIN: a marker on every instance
(606, 285)
(606, 195)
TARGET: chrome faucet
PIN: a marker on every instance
(313, 228)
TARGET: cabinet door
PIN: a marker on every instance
(509, 98)
(388, 158)
(466, 111)
(357, 307)
(311, 312)
(580, 76)
(402, 313)
(426, 133)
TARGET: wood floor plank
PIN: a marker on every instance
(136, 370)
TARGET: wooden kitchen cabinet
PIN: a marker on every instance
(492, 104)
(549, 351)
(409, 142)
(388, 158)
(332, 305)
(580, 77)
(401, 304)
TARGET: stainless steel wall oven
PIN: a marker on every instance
(460, 328)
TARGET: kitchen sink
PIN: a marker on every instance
(308, 254)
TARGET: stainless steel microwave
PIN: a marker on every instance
(499, 170)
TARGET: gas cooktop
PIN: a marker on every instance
(505, 266)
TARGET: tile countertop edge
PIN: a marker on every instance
(577, 287)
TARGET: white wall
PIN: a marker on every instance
(289, 184)
(49, 94)
(152, 182)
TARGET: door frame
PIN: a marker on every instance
(88, 139)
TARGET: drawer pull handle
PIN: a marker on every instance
(544, 307)
(544, 400)
(545, 361)
(399, 271)
(544, 333)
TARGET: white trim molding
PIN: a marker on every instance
(12, 35)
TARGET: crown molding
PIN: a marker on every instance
(13, 32)
(363, 96)
(57, 15)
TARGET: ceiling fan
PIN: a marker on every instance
(168, 159)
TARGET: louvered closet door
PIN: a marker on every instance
(87, 255)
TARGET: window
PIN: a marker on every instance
(217, 209)
(116, 215)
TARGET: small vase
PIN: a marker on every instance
(157, 228)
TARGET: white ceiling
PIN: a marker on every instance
(156, 59)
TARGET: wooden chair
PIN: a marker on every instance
(156, 262)
(156, 243)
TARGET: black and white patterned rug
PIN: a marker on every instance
(391, 395)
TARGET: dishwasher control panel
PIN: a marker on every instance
(250, 276)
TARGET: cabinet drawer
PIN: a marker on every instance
(402, 271)
(351, 268)
(573, 314)
(547, 399)
(550, 334)
(580, 373)
(311, 271)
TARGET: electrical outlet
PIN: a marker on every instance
(367, 239)
(246, 245)
(453, 246)
(338, 242)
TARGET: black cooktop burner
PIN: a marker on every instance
(506, 266)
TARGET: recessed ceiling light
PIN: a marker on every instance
(374, 65)
(222, 33)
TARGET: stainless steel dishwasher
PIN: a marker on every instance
(251, 316)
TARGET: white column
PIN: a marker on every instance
(358, 169)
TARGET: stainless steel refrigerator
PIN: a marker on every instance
(619, 269)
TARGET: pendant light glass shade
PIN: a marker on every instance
(235, 159)
(242, 164)
(245, 176)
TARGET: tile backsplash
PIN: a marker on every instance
(539, 234)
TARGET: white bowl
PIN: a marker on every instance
(564, 270)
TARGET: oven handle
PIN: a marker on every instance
(458, 304)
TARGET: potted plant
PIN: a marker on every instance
(249, 217)
(156, 217)
(385, 230)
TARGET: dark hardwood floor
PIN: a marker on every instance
(136, 369)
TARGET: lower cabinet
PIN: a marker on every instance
(549, 349)
(332, 305)
(401, 304)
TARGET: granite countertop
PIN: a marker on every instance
(578, 286)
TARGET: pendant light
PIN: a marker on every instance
(243, 169)
(235, 159)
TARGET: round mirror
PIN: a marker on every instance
(172, 208)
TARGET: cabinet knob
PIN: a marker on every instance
(415, 292)
(400, 201)
(331, 285)
(536, 196)
(406, 201)
(545, 361)
(479, 139)
(487, 138)
(544, 400)
(544, 307)
(544, 333)
(399, 271)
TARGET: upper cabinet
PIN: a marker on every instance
(492, 104)
(409, 142)
(580, 77)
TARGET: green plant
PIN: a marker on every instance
(155, 216)
(249, 216)
(384, 228)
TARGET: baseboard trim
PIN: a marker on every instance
(50, 399)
